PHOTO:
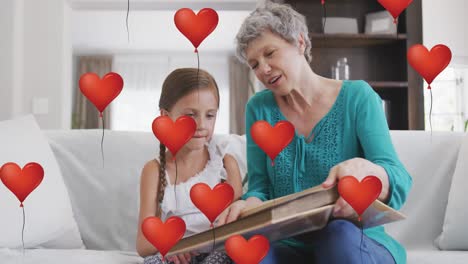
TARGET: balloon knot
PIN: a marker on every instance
(394, 21)
(429, 87)
(100, 114)
(272, 163)
(21, 205)
(359, 218)
(323, 2)
(211, 225)
(196, 50)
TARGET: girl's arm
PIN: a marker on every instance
(233, 175)
(148, 205)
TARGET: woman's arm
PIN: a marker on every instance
(380, 158)
(233, 175)
(257, 175)
(149, 182)
(374, 137)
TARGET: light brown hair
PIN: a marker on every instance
(178, 84)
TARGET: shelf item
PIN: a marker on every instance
(320, 40)
(388, 84)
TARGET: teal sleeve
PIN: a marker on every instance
(258, 182)
(374, 136)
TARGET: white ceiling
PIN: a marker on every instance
(162, 4)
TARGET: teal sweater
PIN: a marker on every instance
(355, 126)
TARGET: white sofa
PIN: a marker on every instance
(104, 197)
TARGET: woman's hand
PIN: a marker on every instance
(359, 168)
(182, 258)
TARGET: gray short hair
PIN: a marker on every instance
(281, 19)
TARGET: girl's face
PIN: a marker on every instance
(276, 62)
(202, 106)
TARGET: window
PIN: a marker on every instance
(450, 99)
(137, 105)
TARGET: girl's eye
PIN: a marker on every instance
(254, 66)
(191, 115)
(269, 54)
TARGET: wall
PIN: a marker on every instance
(150, 31)
(6, 59)
(40, 61)
(445, 22)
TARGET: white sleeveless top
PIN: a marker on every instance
(195, 220)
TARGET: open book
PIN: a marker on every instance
(285, 217)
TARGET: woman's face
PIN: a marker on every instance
(202, 106)
(276, 62)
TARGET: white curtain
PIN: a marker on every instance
(449, 100)
(137, 106)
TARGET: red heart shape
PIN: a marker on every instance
(212, 202)
(429, 64)
(174, 135)
(272, 140)
(19, 181)
(101, 91)
(163, 236)
(360, 195)
(395, 7)
(196, 27)
(243, 252)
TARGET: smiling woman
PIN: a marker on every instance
(340, 128)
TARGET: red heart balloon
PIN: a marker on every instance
(360, 195)
(429, 64)
(163, 236)
(243, 252)
(174, 135)
(101, 91)
(395, 7)
(196, 27)
(19, 181)
(272, 140)
(212, 202)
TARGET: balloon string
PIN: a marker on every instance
(324, 16)
(362, 236)
(102, 142)
(126, 20)
(175, 183)
(430, 111)
(198, 76)
(22, 231)
(214, 238)
(396, 34)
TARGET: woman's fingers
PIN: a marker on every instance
(332, 178)
(342, 209)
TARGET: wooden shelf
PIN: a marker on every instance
(320, 40)
(390, 84)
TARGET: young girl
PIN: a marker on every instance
(185, 93)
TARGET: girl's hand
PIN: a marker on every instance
(231, 213)
(182, 258)
(359, 168)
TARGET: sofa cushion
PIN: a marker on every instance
(430, 160)
(105, 197)
(455, 232)
(48, 212)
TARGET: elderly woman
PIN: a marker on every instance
(340, 130)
